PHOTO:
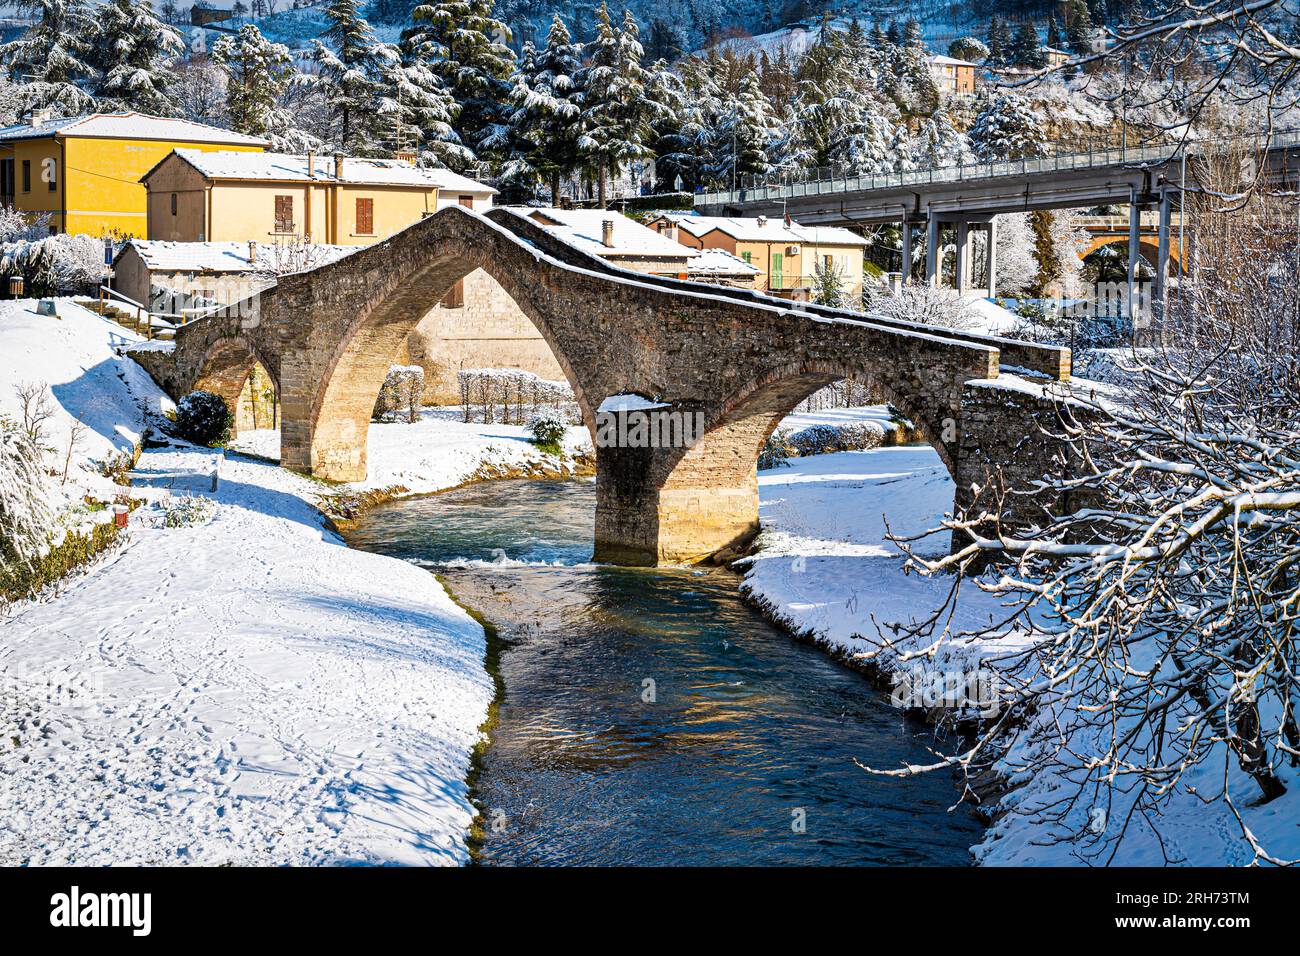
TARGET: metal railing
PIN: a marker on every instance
(794, 184)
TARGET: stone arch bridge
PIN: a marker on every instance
(734, 361)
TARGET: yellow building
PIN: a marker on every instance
(786, 254)
(196, 196)
(84, 171)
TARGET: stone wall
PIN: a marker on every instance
(488, 331)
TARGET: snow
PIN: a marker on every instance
(254, 692)
(629, 403)
(583, 228)
(992, 318)
(165, 256)
(437, 452)
(297, 168)
(130, 125)
(240, 689)
(713, 262)
(826, 569)
(75, 355)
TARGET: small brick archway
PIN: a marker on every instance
(733, 361)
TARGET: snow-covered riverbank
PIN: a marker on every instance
(826, 570)
(244, 690)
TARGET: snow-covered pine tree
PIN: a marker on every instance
(916, 93)
(1007, 128)
(50, 59)
(132, 57)
(686, 151)
(998, 42)
(1079, 27)
(1054, 37)
(421, 107)
(939, 143)
(1025, 48)
(258, 72)
(746, 129)
(350, 66)
(466, 47)
(666, 92)
(546, 117)
(616, 115)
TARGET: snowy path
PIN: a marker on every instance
(251, 691)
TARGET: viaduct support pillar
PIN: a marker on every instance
(1162, 253)
(991, 257)
(932, 250)
(906, 267)
(1134, 234)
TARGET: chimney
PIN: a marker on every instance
(607, 233)
(40, 116)
(311, 164)
(338, 166)
(252, 253)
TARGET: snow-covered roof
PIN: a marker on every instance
(940, 60)
(221, 256)
(288, 167)
(584, 228)
(720, 262)
(129, 126)
(762, 229)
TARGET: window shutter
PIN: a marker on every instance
(366, 216)
(284, 214)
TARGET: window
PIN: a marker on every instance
(365, 217)
(173, 204)
(466, 201)
(455, 297)
(284, 214)
(747, 256)
(27, 175)
(51, 173)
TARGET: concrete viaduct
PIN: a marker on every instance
(735, 360)
(966, 198)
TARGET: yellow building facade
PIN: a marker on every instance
(196, 196)
(84, 172)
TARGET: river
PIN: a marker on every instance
(650, 716)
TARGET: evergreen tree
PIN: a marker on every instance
(546, 101)
(666, 92)
(465, 47)
(745, 131)
(1054, 38)
(616, 115)
(940, 143)
(420, 106)
(349, 74)
(52, 56)
(685, 150)
(1079, 27)
(258, 73)
(131, 57)
(1025, 48)
(999, 43)
(916, 94)
(1007, 128)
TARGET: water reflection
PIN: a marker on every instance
(650, 717)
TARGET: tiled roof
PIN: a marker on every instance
(282, 167)
(584, 228)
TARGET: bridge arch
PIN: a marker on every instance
(707, 494)
(344, 400)
(226, 367)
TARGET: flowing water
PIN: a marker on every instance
(650, 717)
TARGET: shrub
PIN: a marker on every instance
(824, 439)
(547, 426)
(776, 450)
(204, 418)
(505, 394)
(26, 517)
(188, 510)
(401, 395)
